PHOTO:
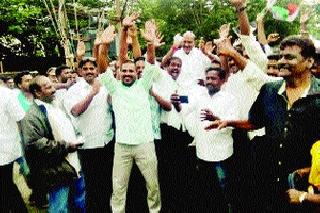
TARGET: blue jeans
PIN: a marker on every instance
(70, 197)
(24, 168)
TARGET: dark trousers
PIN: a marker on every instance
(211, 196)
(10, 197)
(97, 169)
(176, 170)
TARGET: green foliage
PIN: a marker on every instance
(28, 20)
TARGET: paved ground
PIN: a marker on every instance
(23, 188)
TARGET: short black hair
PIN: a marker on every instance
(141, 58)
(308, 49)
(60, 69)
(85, 60)
(18, 77)
(174, 58)
(221, 73)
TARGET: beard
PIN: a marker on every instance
(212, 90)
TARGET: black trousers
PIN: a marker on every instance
(176, 170)
(97, 169)
(10, 197)
(210, 197)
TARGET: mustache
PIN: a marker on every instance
(284, 66)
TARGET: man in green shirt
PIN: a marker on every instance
(134, 135)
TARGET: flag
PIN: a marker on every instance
(285, 14)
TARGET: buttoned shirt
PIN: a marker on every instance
(95, 123)
(10, 113)
(214, 145)
(193, 67)
(131, 106)
(290, 130)
(165, 88)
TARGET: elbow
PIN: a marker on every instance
(167, 107)
(74, 113)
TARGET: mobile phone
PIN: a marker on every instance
(184, 99)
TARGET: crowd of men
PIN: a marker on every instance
(223, 127)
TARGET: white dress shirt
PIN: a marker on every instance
(213, 145)
(193, 67)
(10, 113)
(95, 123)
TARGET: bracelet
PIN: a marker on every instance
(241, 8)
(302, 197)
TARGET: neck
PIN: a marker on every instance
(27, 94)
(302, 80)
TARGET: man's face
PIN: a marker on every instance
(65, 75)
(213, 82)
(174, 68)
(128, 74)
(188, 43)
(52, 76)
(10, 83)
(140, 65)
(25, 81)
(273, 69)
(232, 66)
(46, 94)
(89, 72)
(292, 63)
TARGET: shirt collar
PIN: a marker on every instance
(282, 90)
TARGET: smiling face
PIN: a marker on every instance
(128, 74)
(188, 43)
(174, 68)
(292, 63)
(89, 72)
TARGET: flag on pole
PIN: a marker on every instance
(285, 14)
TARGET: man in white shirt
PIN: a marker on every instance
(87, 102)
(194, 62)
(176, 191)
(214, 149)
(10, 113)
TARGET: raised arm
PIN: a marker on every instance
(174, 47)
(133, 33)
(149, 34)
(80, 52)
(223, 34)
(260, 27)
(240, 6)
(127, 22)
(304, 18)
(225, 48)
(107, 37)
